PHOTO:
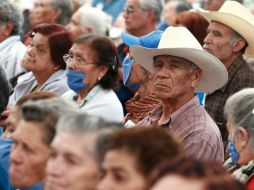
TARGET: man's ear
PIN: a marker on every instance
(56, 14)
(8, 28)
(195, 77)
(238, 45)
(242, 137)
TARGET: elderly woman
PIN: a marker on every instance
(44, 61)
(92, 65)
(127, 156)
(239, 111)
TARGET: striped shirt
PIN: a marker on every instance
(192, 125)
(138, 108)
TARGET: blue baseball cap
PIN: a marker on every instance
(150, 40)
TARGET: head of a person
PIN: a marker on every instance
(72, 163)
(10, 20)
(4, 90)
(89, 20)
(188, 173)
(15, 114)
(45, 53)
(212, 5)
(148, 12)
(31, 140)
(239, 113)
(51, 11)
(127, 156)
(173, 8)
(223, 42)
(92, 60)
(195, 23)
(227, 37)
(134, 75)
(180, 66)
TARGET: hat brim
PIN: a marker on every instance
(214, 74)
(244, 28)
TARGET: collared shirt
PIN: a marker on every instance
(12, 51)
(239, 76)
(194, 128)
(138, 108)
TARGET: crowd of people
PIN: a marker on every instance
(127, 94)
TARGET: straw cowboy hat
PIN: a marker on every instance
(238, 18)
(179, 42)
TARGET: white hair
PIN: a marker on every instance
(95, 19)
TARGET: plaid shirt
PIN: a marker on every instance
(192, 125)
(239, 76)
(138, 108)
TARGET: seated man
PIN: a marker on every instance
(181, 67)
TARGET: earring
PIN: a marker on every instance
(99, 78)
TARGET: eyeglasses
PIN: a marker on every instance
(130, 10)
(78, 61)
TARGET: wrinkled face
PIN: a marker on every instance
(29, 155)
(72, 164)
(174, 78)
(132, 12)
(42, 12)
(174, 181)
(119, 171)
(213, 5)
(217, 41)
(75, 27)
(138, 74)
(38, 58)
(89, 67)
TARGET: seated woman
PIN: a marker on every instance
(127, 156)
(44, 61)
(188, 173)
(92, 65)
(239, 111)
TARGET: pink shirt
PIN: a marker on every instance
(194, 127)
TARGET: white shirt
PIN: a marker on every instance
(100, 102)
(12, 51)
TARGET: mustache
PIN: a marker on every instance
(205, 46)
(161, 82)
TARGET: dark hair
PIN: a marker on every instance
(10, 13)
(59, 40)
(149, 146)
(4, 90)
(195, 23)
(105, 54)
(213, 175)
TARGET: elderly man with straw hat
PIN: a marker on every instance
(230, 35)
(180, 68)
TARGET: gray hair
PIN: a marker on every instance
(96, 19)
(182, 6)
(154, 5)
(10, 13)
(66, 8)
(239, 111)
(82, 124)
(47, 112)
(4, 90)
